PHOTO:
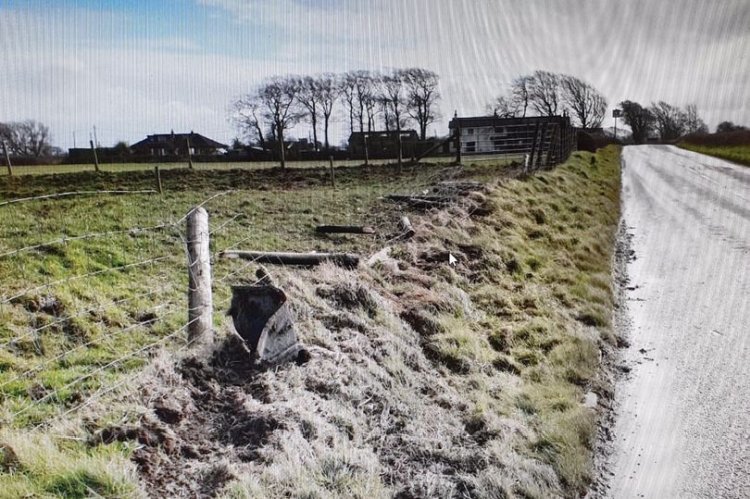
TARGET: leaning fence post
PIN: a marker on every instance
(200, 303)
(157, 174)
(7, 159)
(96, 159)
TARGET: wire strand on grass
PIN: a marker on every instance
(78, 314)
(76, 193)
(86, 376)
(84, 276)
(93, 235)
(40, 367)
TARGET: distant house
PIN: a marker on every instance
(383, 144)
(495, 135)
(177, 144)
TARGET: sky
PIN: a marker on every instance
(138, 67)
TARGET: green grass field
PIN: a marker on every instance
(737, 154)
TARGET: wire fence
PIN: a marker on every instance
(159, 321)
(39, 385)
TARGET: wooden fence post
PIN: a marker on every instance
(96, 158)
(458, 144)
(190, 154)
(157, 174)
(400, 153)
(533, 146)
(200, 303)
(333, 177)
(367, 152)
(7, 159)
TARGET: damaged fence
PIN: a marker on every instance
(51, 369)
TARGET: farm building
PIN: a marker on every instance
(382, 144)
(177, 144)
(550, 136)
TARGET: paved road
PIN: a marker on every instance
(683, 429)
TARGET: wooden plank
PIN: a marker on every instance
(285, 258)
(344, 229)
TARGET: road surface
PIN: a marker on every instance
(683, 424)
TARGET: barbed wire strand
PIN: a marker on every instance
(75, 193)
(104, 368)
(50, 360)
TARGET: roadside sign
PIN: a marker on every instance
(616, 113)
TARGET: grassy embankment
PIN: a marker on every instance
(547, 292)
(732, 146)
(536, 272)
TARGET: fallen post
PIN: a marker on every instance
(406, 227)
(425, 201)
(344, 229)
(305, 259)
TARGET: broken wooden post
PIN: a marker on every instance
(406, 227)
(306, 259)
(200, 303)
(333, 178)
(157, 174)
(96, 159)
(261, 317)
(7, 159)
(344, 229)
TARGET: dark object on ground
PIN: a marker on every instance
(344, 229)
(262, 319)
(309, 259)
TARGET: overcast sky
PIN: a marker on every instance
(138, 67)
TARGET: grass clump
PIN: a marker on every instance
(35, 465)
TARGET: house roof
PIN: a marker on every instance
(173, 139)
(483, 121)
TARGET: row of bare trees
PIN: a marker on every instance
(548, 94)
(670, 122)
(370, 99)
(26, 139)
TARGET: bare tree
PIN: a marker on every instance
(586, 103)
(309, 97)
(693, 121)
(348, 88)
(27, 139)
(544, 92)
(639, 119)
(247, 114)
(396, 100)
(422, 95)
(669, 120)
(520, 95)
(328, 92)
(395, 97)
(279, 97)
(504, 107)
(385, 110)
(365, 93)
